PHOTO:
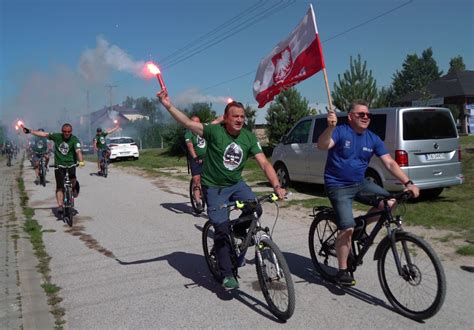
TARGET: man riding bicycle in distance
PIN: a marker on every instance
(196, 146)
(350, 148)
(67, 149)
(39, 148)
(229, 145)
(100, 145)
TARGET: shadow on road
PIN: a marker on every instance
(180, 208)
(303, 268)
(193, 267)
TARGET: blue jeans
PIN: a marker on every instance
(219, 217)
(342, 198)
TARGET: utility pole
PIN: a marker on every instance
(110, 95)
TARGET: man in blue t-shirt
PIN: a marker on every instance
(350, 149)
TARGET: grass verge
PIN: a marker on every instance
(35, 232)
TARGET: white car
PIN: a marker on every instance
(123, 147)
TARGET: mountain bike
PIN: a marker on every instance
(409, 271)
(104, 164)
(272, 270)
(68, 212)
(9, 158)
(42, 170)
(193, 199)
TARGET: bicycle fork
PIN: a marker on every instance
(402, 270)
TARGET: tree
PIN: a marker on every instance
(416, 74)
(250, 114)
(203, 111)
(283, 113)
(384, 98)
(456, 64)
(356, 83)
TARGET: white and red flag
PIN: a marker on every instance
(291, 61)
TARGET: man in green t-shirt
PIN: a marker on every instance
(229, 145)
(39, 149)
(100, 145)
(67, 149)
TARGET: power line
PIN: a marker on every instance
(323, 41)
(231, 31)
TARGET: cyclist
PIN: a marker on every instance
(8, 147)
(67, 149)
(350, 148)
(39, 149)
(196, 146)
(100, 146)
(228, 147)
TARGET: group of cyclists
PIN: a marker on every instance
(226, 146)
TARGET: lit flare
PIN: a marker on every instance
(156, 71)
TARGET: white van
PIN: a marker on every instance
(423, 140)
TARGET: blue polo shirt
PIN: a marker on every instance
(348, 159)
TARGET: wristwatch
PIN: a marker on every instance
(408, 182)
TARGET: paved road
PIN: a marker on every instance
(134, 260)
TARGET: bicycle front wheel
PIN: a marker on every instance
(275, 279)
(68, 212)
(193, 199)
(209, 251)
(322, 246)
(42, 173)
(419, 292)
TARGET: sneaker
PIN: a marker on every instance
(60, 209)
(344, 278)
(230, 283)
(37, 180)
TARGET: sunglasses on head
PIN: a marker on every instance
(362, 115)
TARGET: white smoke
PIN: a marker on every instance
(192, 95)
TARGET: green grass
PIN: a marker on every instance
(466, 250)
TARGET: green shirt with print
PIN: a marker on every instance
(199, 143)
(100, 140)
(40, 145)
(226, 155)
(64, 150)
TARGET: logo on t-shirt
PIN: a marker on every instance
(102, 140)
(64, 148)
(201, 143)
(347, 144)
(40, 144)
(232, 156)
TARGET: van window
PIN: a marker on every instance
(377, 125)
(322, 123)
(300, 133)
(428, 124)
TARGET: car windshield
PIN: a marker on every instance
(121, 140)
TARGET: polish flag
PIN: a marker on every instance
(291, 61)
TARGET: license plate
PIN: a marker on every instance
(436, 156)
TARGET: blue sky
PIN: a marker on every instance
(44, 42)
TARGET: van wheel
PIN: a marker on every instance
(282, 174)
(431, 193)
(373, 176)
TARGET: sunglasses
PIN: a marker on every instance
(66, 132)
(362, 115)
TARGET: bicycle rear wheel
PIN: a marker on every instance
(420, 291)
(209, 251)
(322, 246)
(275, 279)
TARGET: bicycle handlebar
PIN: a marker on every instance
(240, 204)
(64, 166)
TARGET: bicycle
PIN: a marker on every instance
(272, 270)
(104, 164)
(409, 271)
(9, 158)
(42, 171)
(193, 199)
(68, 212)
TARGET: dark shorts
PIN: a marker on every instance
(342, 198)
(101, 154)
(216, 197)
(196, 168)
(59, 174)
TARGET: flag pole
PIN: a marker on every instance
(328, 92)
